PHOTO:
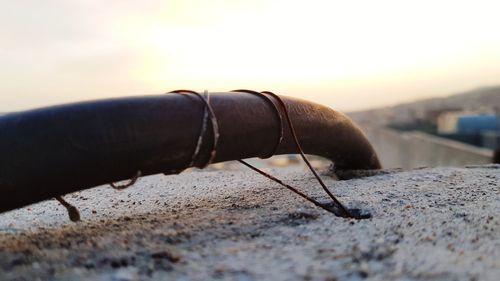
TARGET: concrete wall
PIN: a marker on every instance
(416, 149)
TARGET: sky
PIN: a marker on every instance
(349, 55)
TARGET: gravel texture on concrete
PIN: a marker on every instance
(428, 224)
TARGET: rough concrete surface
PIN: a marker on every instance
(428, 224)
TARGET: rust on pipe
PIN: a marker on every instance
(48, 152)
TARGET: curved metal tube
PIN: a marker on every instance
(57, 150)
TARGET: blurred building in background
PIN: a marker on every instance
(454, 131)
(481, 130)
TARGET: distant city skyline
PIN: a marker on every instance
(350, 55)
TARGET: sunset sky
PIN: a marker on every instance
(347, 54)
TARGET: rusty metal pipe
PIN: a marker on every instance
(57, 150)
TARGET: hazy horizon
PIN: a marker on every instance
(349, 55)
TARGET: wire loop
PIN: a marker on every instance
(131, 182)
(278, 115)
(284, 108)
(208, 112)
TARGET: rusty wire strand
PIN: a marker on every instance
(300, 150)
(215, 126)
(200, 137)
(291, 188)
(278, 115)
(73, 213)
(131, 182)
(302, 154)
(343, 209)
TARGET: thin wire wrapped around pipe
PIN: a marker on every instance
(52, 151)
